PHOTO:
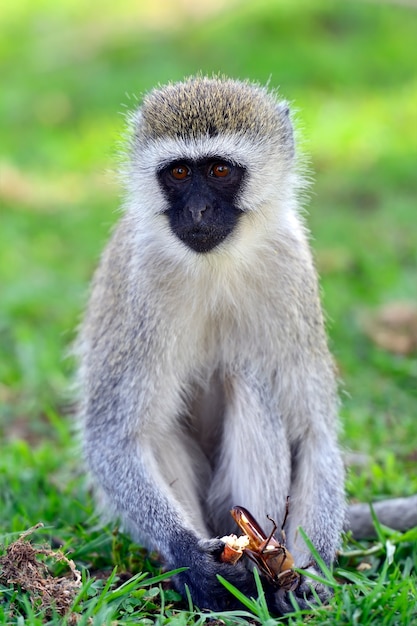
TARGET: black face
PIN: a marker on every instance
(201, 196)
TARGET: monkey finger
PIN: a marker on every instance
(213, 546)
(207, 591)
(282, 602)
(308, 589)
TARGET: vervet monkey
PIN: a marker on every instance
(206, 377)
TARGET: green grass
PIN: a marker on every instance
(68, 70)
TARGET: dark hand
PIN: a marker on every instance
(279, 601)
(203, 561)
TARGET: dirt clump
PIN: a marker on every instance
(24, 565)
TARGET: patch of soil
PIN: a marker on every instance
(393, 327)
(24, 566)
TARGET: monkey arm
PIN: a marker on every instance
(316, 489)
(137, 454)
(260, 472)
(317, 499)
(134, 482)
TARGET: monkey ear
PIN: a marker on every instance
(134, 123)
(135, 117)
(287, 136)
(287, 127)
(283, 109)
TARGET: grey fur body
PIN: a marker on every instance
(206, 378)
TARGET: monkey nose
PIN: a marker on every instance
(197, 213)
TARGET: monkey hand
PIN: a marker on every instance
(304, 595)
(202, 557)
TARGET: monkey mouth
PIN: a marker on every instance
(202, 238)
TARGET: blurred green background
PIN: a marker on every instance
(69, 70)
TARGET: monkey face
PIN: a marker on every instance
(201, 196)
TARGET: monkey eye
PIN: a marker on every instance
(220, 170)
(180, 172)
